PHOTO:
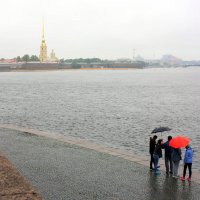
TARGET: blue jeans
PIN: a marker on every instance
(156, 159)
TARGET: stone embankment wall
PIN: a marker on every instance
(57, 66)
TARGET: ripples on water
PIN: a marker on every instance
(116, 108)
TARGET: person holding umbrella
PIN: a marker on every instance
(177, 143)
(168, 159)
(176, 157)
(157, 154)
(187, 163)
(152, 145)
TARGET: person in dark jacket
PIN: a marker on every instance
(176, 157)
(157, 154)
(187, 163)
(168, 159)
(152, 145)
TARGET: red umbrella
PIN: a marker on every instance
(179, 142)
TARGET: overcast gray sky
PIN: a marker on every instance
(101, 28)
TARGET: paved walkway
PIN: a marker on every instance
(64, 171)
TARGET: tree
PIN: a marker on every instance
(62, 61)
(26, 58)
(34, 58)
(75, 65)
(18, 59)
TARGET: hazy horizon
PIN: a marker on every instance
(104, 29)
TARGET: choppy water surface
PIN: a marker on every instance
(117, 108)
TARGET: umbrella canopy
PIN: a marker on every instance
(161, 129)
(179, 142)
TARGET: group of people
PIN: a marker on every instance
(173, 157)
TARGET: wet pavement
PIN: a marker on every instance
(64, 171)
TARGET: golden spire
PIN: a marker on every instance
(43, 29)
(43, 46)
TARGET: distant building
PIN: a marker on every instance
(139, 58)
(13, 60)
(53, 57)
(170, 60)
(123, 60)
(43, 50)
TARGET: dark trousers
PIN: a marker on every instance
(151, 161)
(189, 165)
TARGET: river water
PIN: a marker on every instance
(116, 108)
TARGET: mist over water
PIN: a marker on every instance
(116, 108)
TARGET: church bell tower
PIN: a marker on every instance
(43, 46)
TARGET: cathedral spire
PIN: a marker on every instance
(43, 46)
(43, 29)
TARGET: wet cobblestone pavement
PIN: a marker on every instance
(62, 171)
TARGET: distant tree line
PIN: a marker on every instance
(76, 63)
(27, 58)
(84, 60)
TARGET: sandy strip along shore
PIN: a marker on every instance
(13, 185)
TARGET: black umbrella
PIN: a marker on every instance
(161, 129)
